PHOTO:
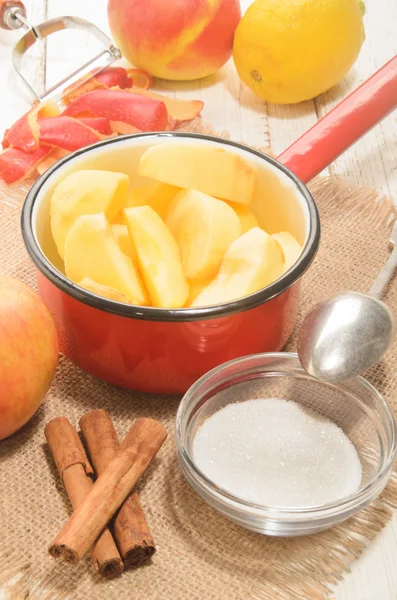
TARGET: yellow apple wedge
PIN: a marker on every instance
(205, 168)
(251, 262)
(290, 247)
(122, 237)
(204, 227)
(154, 194)
(102, 290)
(247, 218)
(158, 257)
(196, 287)
(91, 251)
(85, 192)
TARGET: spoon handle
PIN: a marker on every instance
(384, 276)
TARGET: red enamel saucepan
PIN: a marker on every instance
(166, 350)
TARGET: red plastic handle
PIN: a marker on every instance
(345, 124)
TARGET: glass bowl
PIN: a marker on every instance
(355, 406)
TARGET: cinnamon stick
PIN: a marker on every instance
(74, 469)
(110, 490)
(130, 529)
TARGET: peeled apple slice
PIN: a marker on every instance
(91, 251)
(208, 169)
(204, 227)
(122, 237)
(290, 247)
(158, 257)
(251, 262)
(156, 195)
(196, 287)
(247, 218)
(85, 193)
(102, 290)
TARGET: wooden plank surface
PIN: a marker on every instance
(373, 159)
(230, 106)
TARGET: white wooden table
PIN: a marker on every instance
(232, 107)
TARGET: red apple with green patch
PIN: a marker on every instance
(28, 354)
(178, 40)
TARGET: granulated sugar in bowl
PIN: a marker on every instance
(275, 452)
(280, 452)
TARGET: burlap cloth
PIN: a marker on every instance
(200, 555)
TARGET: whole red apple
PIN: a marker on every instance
(28, 354)
(176, 39)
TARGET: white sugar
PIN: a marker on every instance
(273, 452)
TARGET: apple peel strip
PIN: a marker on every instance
(179, 111)
(108, 78)
(44, 135)
(15, 164)
(25, 132)
(144, 113)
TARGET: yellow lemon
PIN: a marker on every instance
(290, 51)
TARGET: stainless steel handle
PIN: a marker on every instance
(109, 54)
(388, 270)
(13, 15)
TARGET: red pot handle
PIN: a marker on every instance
(345, 124)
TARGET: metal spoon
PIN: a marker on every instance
(345, 335)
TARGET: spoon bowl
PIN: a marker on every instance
(345, 335)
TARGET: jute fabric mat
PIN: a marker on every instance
(201, 555)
